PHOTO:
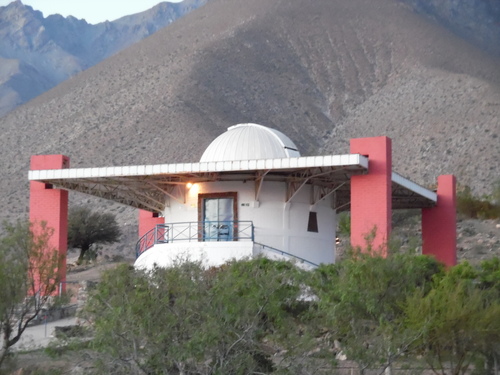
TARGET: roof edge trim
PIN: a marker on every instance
(186, 168)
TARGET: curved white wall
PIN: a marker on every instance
(277, 224)
(209, 254)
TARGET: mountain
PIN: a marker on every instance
(475, 20)
(46, 51)
(322, 72)
(37, 53)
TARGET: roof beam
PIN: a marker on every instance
(259, 180)
(321, 192)
(146, 203)
(175, 191)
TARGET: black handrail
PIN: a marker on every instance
(194, 232)
(159, 234)
(302, 260)
(168, 233)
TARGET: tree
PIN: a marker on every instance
(457, 322)
(488, 278)
(28, 279)
(362, 298)
(184, 319)
(87, 229)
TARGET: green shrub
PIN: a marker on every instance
(473, 207)
(184, 319)
(344, 224)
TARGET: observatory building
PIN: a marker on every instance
(252, 193)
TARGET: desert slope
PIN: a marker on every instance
(321, 72)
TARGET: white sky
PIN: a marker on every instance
(93, 11)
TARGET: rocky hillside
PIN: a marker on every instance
(475, 20)
(321, 72)
(37, 52)
(477, 240)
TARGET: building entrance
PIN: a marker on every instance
(218, 216)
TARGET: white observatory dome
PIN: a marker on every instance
(249, 142)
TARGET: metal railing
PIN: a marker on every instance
(159, 234)
(196, 232)
(281, 252)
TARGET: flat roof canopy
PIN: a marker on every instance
(146, 186)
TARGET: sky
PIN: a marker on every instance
(93, 11)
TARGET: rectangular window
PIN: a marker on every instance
(312, 224)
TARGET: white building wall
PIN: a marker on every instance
(209, 254)
(277, 224)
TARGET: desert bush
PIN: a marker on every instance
(185, 319)
(470, 206)
(344, 224)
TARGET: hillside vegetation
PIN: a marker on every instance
(403, 313)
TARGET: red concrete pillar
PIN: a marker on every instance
(51, 206)
(371, 194)
(439, 223)
(147, 221)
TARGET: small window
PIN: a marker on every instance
(312, 224)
